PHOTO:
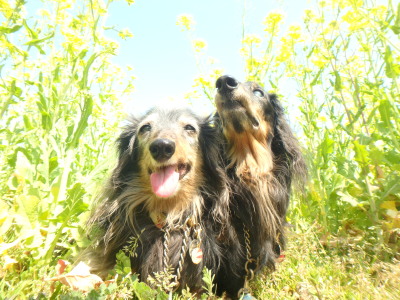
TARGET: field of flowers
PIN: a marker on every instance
(60, 108)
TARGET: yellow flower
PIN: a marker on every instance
(244, 51)
(185, 22)
(380, 12)
(319, 59)
(65, 4)
(355, 20)
(199, 44)
(6, 8)
(272, 21)
(43, 12)
(254, 63)
(294, 32)
(250, 39)
(191, 95)
(203, 82)
(284, 53)
(73, 39)
(216, 73)
(311, 17)
(100, 7)
(125, 33)
(322, 3)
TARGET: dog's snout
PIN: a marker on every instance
(162, 149)
(226, 83)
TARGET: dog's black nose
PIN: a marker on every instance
(226, 83)
(162, 149)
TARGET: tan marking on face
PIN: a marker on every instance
(248, 150)
(186, 152)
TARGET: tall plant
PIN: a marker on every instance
(59, 92)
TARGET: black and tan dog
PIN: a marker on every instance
(164, 199)
(187, 194)
(262, 157)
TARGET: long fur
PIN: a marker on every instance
(244, 161)
(263, 158)
(123, 214)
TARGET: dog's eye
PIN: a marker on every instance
(190, 128)
(258, 93)
(145, 128)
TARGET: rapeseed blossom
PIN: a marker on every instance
(251, 39)
(185, 21)
(272, 21)
(199, 44)
(125, 33)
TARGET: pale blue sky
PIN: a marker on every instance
(161, 53)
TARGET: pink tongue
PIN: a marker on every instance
(165, 181)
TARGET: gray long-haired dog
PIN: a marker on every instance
(166, 198)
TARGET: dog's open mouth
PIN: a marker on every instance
(164, 181)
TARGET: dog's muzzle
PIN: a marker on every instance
(226, 84)
(162, 149)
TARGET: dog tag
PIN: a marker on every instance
(197, 255)
(195, 252)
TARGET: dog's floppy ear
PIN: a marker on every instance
(285, 145)
(215, 187)
(128, 155)
(211, 140)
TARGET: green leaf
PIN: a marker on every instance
(27, 123)
(338, 81)
(123, 264)
(35, 42)
(83, 83)
(326, 147)
(345, 197)
(53, 163)
(74, 204)
(390, 69)
(315, 80)
(29, 207)
(83, 122)
(8, 30)
(361, 153)
(56, 74)
(393, 157)
(376, 155)
(385, 111)
(358, 114)
(143, 291)
(273, 85)
(396, 26)
(31, 32)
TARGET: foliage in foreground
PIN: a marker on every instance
(60, 105)
(343, 271)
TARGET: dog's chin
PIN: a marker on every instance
(233, 108)
(227, 102)
(166, 180)
(240, 120)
